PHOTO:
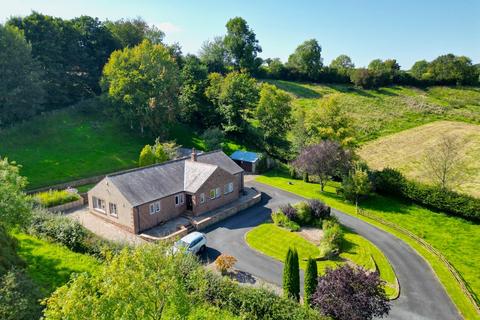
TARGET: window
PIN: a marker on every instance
(98, 204)
(112, 207)
(202, 197)
(228, 188)
(212, 194)
(179, 199)
(154, 207)
(217, 192)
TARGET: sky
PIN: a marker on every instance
(405, 30)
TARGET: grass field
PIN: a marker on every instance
(389, 110)
(406, 151)
(51, 265)
(275, 241)
(65, 145)
(456, 238)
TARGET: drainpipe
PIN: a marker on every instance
(138, 218)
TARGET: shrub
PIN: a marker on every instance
(388, 181)
(53, 198)
(319, 209)
(213, 138)
(304, 213)
(311, 276)
(351, 293)
(8, 252)
(332, 238)
(281, 220)
(19, 296)
(289, 211)
(224, 262)
(291, 275)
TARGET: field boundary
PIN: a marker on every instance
(458, 278)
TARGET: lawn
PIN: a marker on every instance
(274, 241)
(457, 239)
(388, 110)
(406, 151)
(50, 264)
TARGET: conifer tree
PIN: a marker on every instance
(311, 280)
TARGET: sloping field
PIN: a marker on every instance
(406, 151)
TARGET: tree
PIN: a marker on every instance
(15, 205)
(419, 70)
(147, 157)
(215, 56)
(276, 69)
(291, 275)
(349, 293)
(311, 276)
(274, 113)
(306, 61)
(143, 83)
(383, 72)
(330, 122)
(357, 184)
(192, 99)
(235, 96)
(362, 78)
(343, 66)
(21, 87)
(213, 138)
(131, 32)
(444, 164)
(451, 69)
(225, 262)
(242, 45)
(158, 153)
(324, 160)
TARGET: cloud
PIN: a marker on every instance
(168, 27)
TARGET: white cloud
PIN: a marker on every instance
(168, 27)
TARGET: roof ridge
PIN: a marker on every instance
(147, 167)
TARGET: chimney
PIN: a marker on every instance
(194, 155)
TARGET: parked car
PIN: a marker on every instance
(194, 242)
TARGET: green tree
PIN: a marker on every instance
(147, 157)
(288, 286)
(306, 61)
(343, 65)
(451, 69)
(274, 116)
(143, 83)
(361, 77)
(275, 68)
(213, 138)
(311, 281)
(295, 269)
(21, 87)
(15, 205)
(330, 122)
(242, 45)
(419, 70)
(357, 184)
(131, 32)
(215, 56)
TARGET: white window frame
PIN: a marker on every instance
(218, 192)
(99, 204)
(212, 194)
(202, 197)
(113, 213)
(154, 207)
(179, 199)
(228, 188)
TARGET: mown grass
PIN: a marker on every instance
(407, 151)
(50, 264)
(389, 110)
(457, 239)
(274, 241)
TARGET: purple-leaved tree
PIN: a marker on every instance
(324, 160)
(349, 293)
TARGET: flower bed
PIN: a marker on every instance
(52, 198)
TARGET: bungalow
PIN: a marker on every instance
(142, 198)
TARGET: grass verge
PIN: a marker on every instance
(457, 239)
(274, 241)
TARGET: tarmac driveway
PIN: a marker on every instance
(422, 296)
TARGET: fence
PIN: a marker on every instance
(458, 278)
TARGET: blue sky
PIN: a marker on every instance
(406, 30)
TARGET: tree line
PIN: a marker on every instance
(49, 63)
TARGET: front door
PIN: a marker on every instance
(189, 202)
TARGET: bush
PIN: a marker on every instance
(319, 210)
(53, 198)
(392, 182)
(281, 220)
(19, 296)
(224, 262)
(332, 239)
(289, 211)
(214, 138)
(311, 276)
(304, 214)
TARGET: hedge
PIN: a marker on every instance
(391, 182)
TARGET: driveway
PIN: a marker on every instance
(422, 296)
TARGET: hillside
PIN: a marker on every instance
(389, 110)
(406, 151)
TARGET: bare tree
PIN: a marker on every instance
(444, 162)
(323, 160)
